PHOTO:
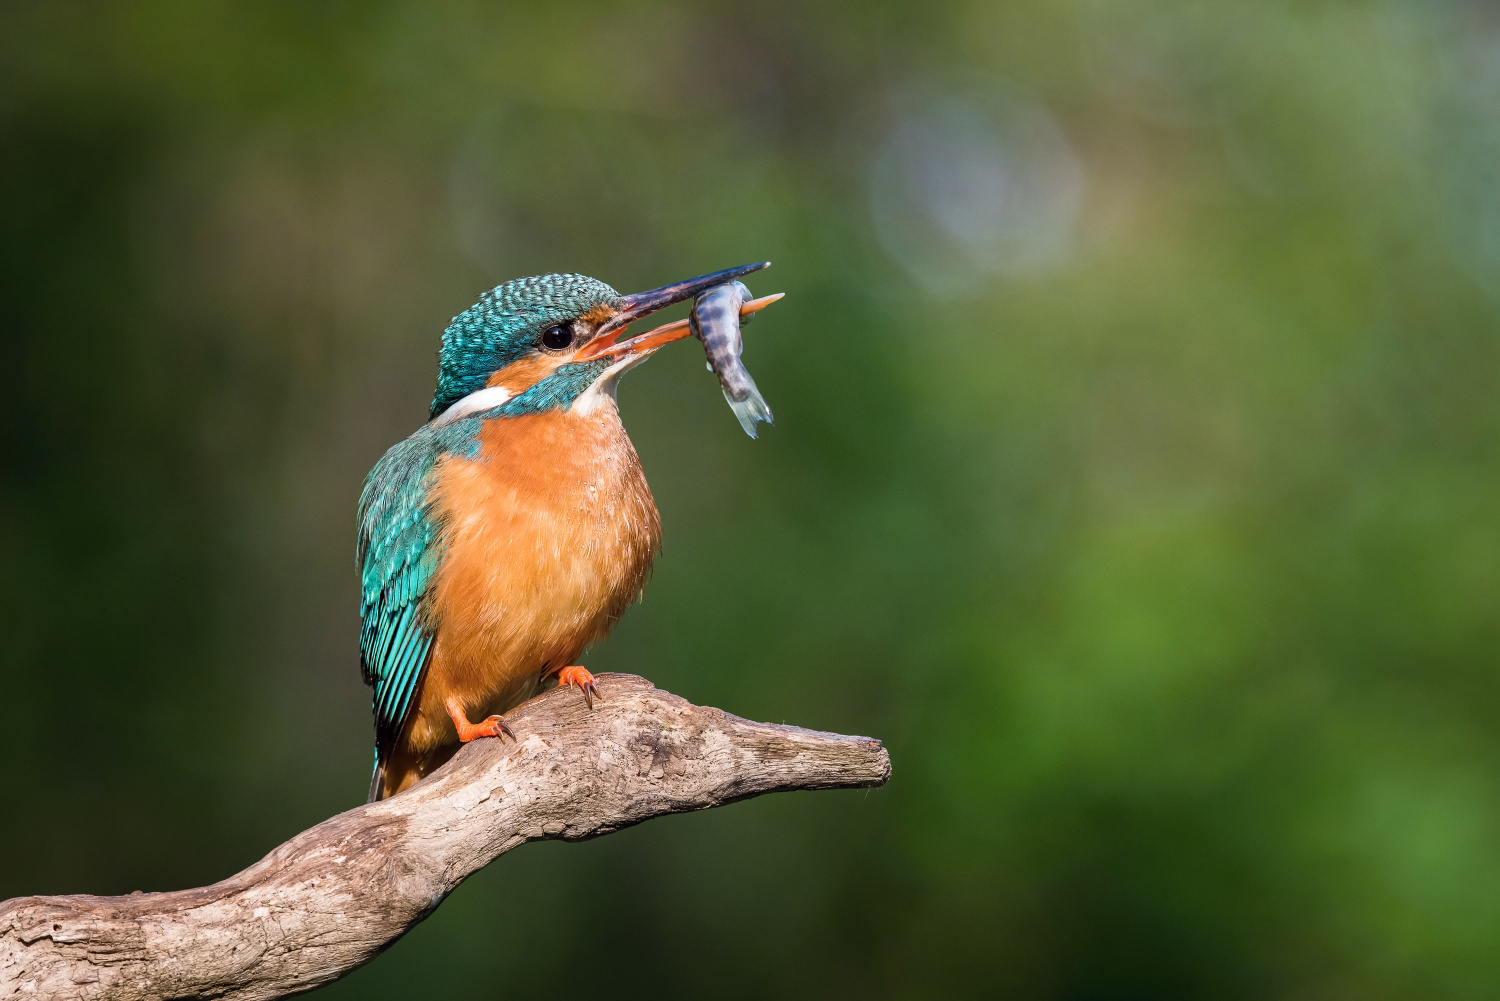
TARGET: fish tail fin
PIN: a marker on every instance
(750, 409)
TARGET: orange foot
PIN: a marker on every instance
(581, 677)
(492, 727)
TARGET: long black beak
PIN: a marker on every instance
(640, 304)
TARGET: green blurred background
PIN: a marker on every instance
(1135, 474)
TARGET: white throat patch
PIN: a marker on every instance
(603, 388)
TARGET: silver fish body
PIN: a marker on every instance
(715, 320)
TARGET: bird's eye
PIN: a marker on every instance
(557, 337)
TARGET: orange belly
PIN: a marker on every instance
(548, 535)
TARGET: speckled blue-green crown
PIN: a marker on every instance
(504, 324)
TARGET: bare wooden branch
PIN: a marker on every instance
(333, 897)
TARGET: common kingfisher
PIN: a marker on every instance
(512, 530)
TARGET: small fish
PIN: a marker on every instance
(715, 320)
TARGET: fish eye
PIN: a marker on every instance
(557, 336)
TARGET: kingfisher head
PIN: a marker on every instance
(553, 342)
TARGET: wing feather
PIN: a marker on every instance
(399, 552)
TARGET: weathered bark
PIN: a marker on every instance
(333, 897)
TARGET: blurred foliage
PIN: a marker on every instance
(1149, 515)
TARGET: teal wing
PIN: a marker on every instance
(399, 551)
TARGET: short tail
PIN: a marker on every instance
(377, 780)
(400, 769)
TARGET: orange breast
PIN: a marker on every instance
(548, 536)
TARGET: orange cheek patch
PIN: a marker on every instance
(521, 375)
(600, 313)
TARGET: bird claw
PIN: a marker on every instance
(492, 727)
(580, 677)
